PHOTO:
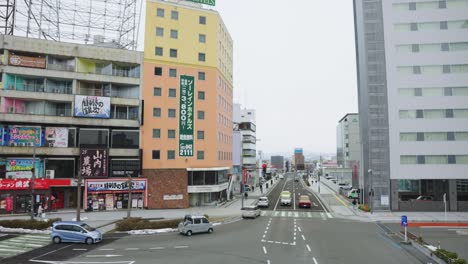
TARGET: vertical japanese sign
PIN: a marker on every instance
(94, 162)
(186, 112)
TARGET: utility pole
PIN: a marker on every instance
(371, 193)
(33, 176)
(129, 207)
(78, 197)
(321, 173)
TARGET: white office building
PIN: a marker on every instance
(412, 59)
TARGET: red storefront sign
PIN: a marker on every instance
(245, 176)
(39, 184)
(9, 203)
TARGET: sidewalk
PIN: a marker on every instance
(341, 207)
(252, 196)
(105, 219)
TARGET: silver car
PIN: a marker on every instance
(195, 224)
(251, 211)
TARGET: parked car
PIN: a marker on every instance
(345, 186)
(304, 201)
(263, 202)
(285, 198)
(76, 232)
(353, 193)
(247, 188)
(281, 176)
(195, 224)
(250, 211)
(424, 198)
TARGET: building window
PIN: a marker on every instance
(421, 159)
(413, 26)
(171, 113)
(412, 6)
(448, 91)
(158, 51)
(94, 137)
(156, 133)
(173, 53)
(174, 15)
(415, 48)
(452, 159)
(442, 4)
(417, 92)
(159, 31)
(419, 114)
(172, 92)
(201, 95)
(416, 69)
(200, 134)
(157, 91)
(157, 112)
(450, 136)
(444, 47)
(160, 12)
(174, 34)
(125, 139)
(443, 25)
(156, 154)
(201, 56)
(347, 145)
(201, 115)
(202, 38)
(201, 76)
(420, 136)
(172, 72)
(200, 155)
(202, 20)
(449, 113)
(171, 154)
(171, 133)
(158, 71)
(445, 68)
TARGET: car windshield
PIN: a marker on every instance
(87, 227)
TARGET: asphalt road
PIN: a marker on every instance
(281, 235)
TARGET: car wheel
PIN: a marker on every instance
(189, 233)
(89, 241)
(210, 230)
(57, 240)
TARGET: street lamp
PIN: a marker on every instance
(371, 191)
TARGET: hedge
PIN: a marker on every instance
(449, 257)
(29, 224)
(364, 207)
(137, 223)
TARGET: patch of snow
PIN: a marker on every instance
(22, 230)
(81, 218)
(431, 248)
(151, 231)
(216, 224)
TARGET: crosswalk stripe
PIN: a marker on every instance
(296, 214)
(283, 214)
(22, 244)
(309, 214)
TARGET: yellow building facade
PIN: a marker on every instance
(183, 38)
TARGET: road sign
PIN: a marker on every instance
(404, 220)
(245, 176)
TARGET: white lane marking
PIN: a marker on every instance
(264, 250)
(277, 242)
(45, 254)
(299, 229)
(308, 248)
(329, 215)
(105, 256)
(181, 247)
(13, 250)
(279, 197)
(285, 243)
(268, 262)
(295, 233)
(315, 261)
(106, 249)
(79, 249)
(132, 249)
(303, 237)
(263, 240)
(294, 197)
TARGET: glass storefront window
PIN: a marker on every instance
(94, 137)
(126, 139)
(63, 168)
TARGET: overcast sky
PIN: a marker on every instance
(294, 62)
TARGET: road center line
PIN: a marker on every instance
(308, 248)
(268, 262)
(106, 249)
(181, 247)
(264, 250)
(277, 201)
(132, 249)
(315, 261)
(303, 237)
(299, 229)
(79, 249)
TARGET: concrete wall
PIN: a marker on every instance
(422, 206)
(463, 206)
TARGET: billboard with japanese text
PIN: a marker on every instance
(19, 136)
(21, 168)
(186, 112)
(115, 185)
(94, 162)
(92, 106)
(56, 137)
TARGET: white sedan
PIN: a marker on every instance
(250, 211)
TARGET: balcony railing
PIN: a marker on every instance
(61, 67)
(46, 112)
(40, 88)
(93, 92)
(124, 116)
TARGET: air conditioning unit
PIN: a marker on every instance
(50, 174)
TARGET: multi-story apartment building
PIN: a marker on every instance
(187, 92)
(247, 127)
(348, 145)
(277, 162)
(412, 59)
(299, 162)
(60, 101)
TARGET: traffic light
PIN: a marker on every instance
(264, 168)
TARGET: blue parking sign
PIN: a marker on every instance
(404, 221)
